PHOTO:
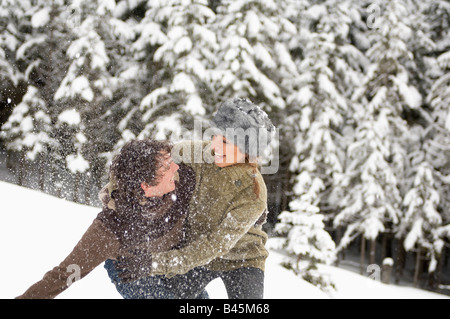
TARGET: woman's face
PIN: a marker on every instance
(225, 152)
(167, 173)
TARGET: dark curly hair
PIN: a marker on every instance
(137, 162)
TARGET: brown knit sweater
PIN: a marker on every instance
(159, 223)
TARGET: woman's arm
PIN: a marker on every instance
(96, 245)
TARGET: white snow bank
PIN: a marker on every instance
(38, 231)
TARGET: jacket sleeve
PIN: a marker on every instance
(216, 243)
(96, 245)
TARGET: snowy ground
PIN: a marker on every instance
(37, 231)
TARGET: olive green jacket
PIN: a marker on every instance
(223, 230)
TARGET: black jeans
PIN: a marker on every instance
(242, 283)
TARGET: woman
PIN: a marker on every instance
(148, 206)
(227, 209)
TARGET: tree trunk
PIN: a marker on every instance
(54, 182)
(383, 246)
(400, 261)
(338, 240)
(76, 188)
(373, 247)
(440, 267)
(386, 246)
(362, 255)
(9, 161)
(41, 164)
(418, 269)
(88, 189)
(20, 169)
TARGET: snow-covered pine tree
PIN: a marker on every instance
(254, 59)
(87, 92)
(137, 72)
(29, 131)
(38, 57)
(438, 17)
(41, 56)
(422, 220)
(429, 45)
(427, 150)
(11, 79)
(305, 240)
(421, 45)
(178, 49)
(371, 198)
(437, 142)
(424, 205)
(439, 101)
(122, 82)
(439, 95)
(328, 67)
(377, 157)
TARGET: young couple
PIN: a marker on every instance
(166, 229)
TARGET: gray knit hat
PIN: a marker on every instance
(244, 124)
